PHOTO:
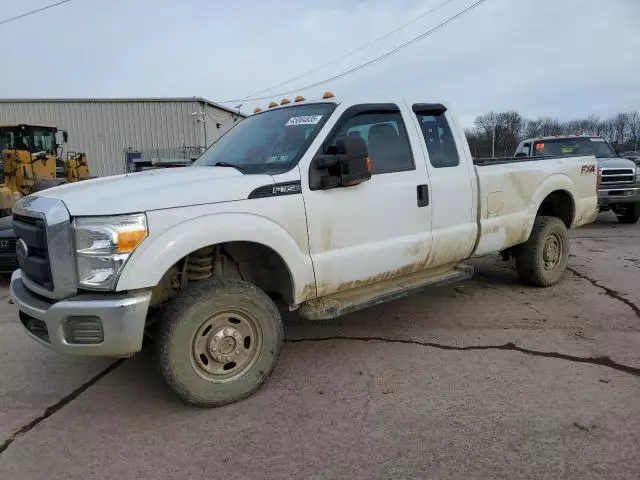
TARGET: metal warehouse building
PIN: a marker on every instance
(112, 131)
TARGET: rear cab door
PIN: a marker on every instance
(381, 228)
(454, 186)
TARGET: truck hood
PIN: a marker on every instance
(156, 190)
(615, 162)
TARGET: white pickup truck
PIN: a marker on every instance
(325, 206)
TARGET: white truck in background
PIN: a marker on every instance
(327, 206)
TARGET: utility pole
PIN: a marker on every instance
(201, 117)
(496, 128)
(493, 142)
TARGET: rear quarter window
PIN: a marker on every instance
(439, 139)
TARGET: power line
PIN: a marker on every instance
(352, 52)
(370, 62)
(7, 20)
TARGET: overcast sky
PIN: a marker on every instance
(563, 58)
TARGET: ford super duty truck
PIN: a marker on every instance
(325, 206)
(619, 178)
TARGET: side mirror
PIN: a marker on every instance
(344, 165)
(65, 137)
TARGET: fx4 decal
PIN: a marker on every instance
(588, 170)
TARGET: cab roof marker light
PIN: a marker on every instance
(257, 110)
(273, 104)
(327, 95)
(284, 101)
(299, 98)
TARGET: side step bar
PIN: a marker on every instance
(342, 303)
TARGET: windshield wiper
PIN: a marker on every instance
(226, 164)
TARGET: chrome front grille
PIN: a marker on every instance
(618, 175)
(44, 247)
(31, 249)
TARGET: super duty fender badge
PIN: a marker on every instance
(276, 190)
(285, 189)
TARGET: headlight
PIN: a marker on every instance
(103, 245)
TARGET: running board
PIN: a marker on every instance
(342, 303)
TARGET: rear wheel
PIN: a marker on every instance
(218, 341)
(542, 260)
(631, 213)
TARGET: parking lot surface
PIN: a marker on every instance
(483, 379)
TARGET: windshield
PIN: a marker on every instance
(574, 146)
(14, 138)
(43, 140)
(272, 141)
(34, 140)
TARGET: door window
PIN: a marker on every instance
(386, 138)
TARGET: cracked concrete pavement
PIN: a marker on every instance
(484, 379)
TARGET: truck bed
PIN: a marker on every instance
(513, 189)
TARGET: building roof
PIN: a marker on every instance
(18, 125)
(123, 100)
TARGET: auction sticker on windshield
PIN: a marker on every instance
(597, 139)
(278, 159)
(304, 120)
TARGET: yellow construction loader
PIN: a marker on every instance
(32, 161)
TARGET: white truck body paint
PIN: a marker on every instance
(336, 239)
(512, 193)
(363, 231)
(156, 190)
(276, 222)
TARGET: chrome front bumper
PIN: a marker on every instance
(121, 316)
(609, 195)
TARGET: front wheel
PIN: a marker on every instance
(218, 341)
(542, 260)
(631, 214)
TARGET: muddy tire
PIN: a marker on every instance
(631, 214)
(218, 341)
(542, 260)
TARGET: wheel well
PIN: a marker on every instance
(558, 204)
(253, 262)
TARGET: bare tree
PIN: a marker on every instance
(633, 119)
(619, 124)
(501, 131)
(504, 130)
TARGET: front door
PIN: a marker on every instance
(380, 228)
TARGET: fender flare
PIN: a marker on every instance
(157, 254)
(557, 182)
